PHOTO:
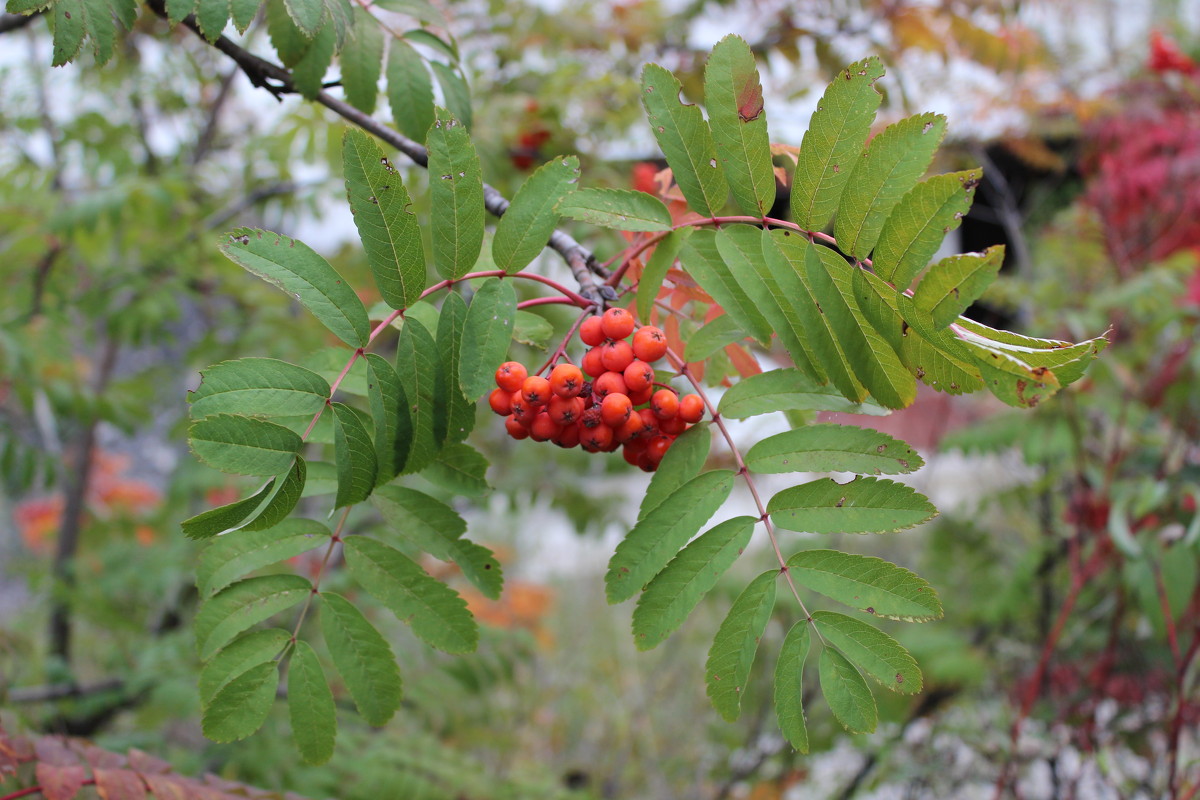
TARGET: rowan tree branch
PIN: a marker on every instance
(13, 22)
(275, 79)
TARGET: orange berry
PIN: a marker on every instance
(543, 428)
(674, 426)
(566, 380)
(649, 343)
(523, 410)
(515, 429)
(617, 323)
(591, 363)
(609, 383)
(536, 389)
(691, 408)
(665, 403)
(641, 397)
(510, 375)
(565, 410)
(569, 436)
(657, 448)
(639, 375)
(616, 356)
(591, 332)
(596, 439)
(501, 402)
(631, 430)
(649, 422)
(615, 410)
(631, 452)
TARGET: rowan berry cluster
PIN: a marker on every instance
(621, 406)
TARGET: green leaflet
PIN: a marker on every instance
(243, 13)
(622, 209)
(437, 529)
(309, 72)
(789, 685)
(955, 282)
(833, 448)
(456, 189)
(683, 461)
(919, 222)
(243, 445)
(685, 140)
(486, 334)
(310, 706)
(527, 224)
(1011, 379)
(241, 706)
(230, 557)
(879, 655)
(296, 269)
(847, 693)
(363, 659)
(242, 654)
(704, 262)
(430, 39)
(390, 415)
(794, 262)
(787, 389)
(261, 387)
(1068, 361)
(864, 505)
(732, 653)
(417, 366)
(734, 99)
(243, 605)
(409, 90)
(228, 517)
(211, 16)
(891, 165)
(777, 290)
(530, 329)
(455, 91)
(438, 616)
(461, 469)
(70, 26)
(665, 253)
(875, 363)
(387, 227)
(283, 499)
(936, 366)
(833, 142)
(664, 529)
(308, 15)
(712, 337)
(354, 453)
(178, 10)
(362, 62)
(868, 584)
(100, 28)
(672, 595)
(286, 38)
(456, 414)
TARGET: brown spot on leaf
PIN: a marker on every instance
(899, 678)
(841, 502)
(750, 99)
(870, 609)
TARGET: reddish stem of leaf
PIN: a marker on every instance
(37, 789)
(561, 350)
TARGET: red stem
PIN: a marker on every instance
(545, 301)
(37, 789)
(561, 350)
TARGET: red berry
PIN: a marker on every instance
(510, 375)
(609, 383)
(591, 363)
(674, 426)
(641, 397)
(615, 410)
(591, 332)
(616, 356)
(536, 389)
(617, 323)
(565, 410)
(596, 439)
(522, 409)
(691, 408)
(566, 380)
(569, 436)
(501, 402)
(515, 429)
(631, 430)
(639, 375)
(657, 448)
(649, 422)
(543, 428)
(665, 403)
(649, 343)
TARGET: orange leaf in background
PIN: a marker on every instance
(36, 519)
(743, 362)
(522, 605)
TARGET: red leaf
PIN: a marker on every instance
(60, 782)
(119, 784)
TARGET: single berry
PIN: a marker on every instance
(596, 439)
(522, 409)
(609, 383)
(515, 429)
(569, 436)
(691, 408)
(649, 422)
(631, 430)
(617, 323)
(665, 403)
(543, 428)
(510, 375)
(657, 448)
(501, 402)
(674, 425)
(642, 396)
(616, 356)
(590, 418)
(565, 410)
(591, 332)
(649, 343)
(639, 375)
(566, 380)
(536, 389)
(615, 410)
(591, 363)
